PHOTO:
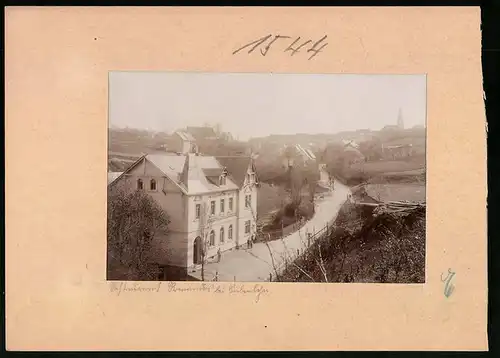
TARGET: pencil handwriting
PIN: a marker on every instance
(449, 287)
(308, 46)
(119, 287)
(255, 290)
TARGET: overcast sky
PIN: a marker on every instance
(259, 104)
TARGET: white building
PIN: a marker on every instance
(352, 155)
(182, 142)
(211, 203)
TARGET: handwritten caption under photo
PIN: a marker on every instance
(256, 290)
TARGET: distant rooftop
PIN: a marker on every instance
(185, 136)
(350, 143)
(202, 132)
(396, 192)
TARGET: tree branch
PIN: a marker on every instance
(322, 266)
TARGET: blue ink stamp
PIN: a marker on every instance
(449, 287)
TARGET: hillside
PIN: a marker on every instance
(386, 248)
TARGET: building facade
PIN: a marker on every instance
(211, 203)
(182, 142)
(392, 152)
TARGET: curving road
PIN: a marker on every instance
(255, 264)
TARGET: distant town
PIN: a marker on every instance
(257, 210)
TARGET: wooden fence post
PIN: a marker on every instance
(270, 277)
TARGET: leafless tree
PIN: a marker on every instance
(217, 127)
(134, 219)
(312, 177)
(258, 231)
(402, 253)
(297, 183)
(287, 257)
(371, 149)
(321, 264)
(204, 229)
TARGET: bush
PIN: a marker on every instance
(289, 209)
(134, 218)
(306, 209)
(388, 248)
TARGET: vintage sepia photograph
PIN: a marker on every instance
(254, 177)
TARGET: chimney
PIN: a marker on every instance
(183, 177)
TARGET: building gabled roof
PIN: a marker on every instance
(167, 163)
(237, 167)
(350, 143)
(311, 154)
(112, 176)
(201, 132)
(305, 152)
(353, 148)
(185, 136)
(197, 174)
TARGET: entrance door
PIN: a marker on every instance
(197, 251)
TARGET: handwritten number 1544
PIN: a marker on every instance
(293, 48)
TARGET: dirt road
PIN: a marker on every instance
(255, 264)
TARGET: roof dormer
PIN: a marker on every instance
(223, 177)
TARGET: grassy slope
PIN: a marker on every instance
(387, 248)
(268, 199)
(386, 166)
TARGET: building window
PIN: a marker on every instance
(152, 184)
(230, 204)
(197, 251)
(222, 180)
(212, 238)
(198, 211)
(247, 227)
(212, 208)
(222, 235)
(230, 232)
(140, 186)
(221, 205)
(248, 201)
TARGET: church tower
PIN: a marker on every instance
(401, 124)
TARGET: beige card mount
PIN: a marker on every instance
(270, 138)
